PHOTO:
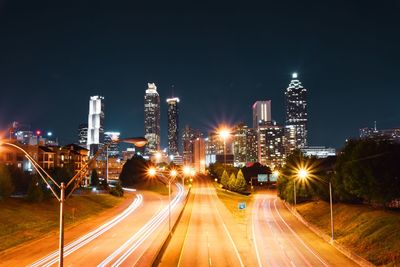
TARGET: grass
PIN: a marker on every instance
(21, 221)
(153, 185)
(374, 234)
(231, 201)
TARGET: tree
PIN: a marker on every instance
(232, 182)
(225, 179)
(117, 190)
(35, 190)
(134, 171)
(6, 187)
(19, 179)
(94, 178)
(240, 184)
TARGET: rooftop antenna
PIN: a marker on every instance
(375, 126)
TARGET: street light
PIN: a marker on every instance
(76, 179)
(224, 133)
(173, 174)
(303, 174)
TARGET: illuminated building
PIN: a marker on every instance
(173, 126)
(189, 135)
(113, 148)
(244, 145)
(152, 119)
(296, 114)
(318, 151)
(391, 134)
(95, 134)
(199, 155)
(271, 150)
(82, 134)
(261, 112)
(251, 145)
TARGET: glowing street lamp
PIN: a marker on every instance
(224, 133)
(303, 175)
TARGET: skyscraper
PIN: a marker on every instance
(83, 134)
(296, 114)
(271, 144)
(113, 149)
(173, 125)
(152, 119)
(261, 112)
(95, 134)
(189, 135)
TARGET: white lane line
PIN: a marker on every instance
(255, 210)
(142, 234)
(298, 238)
(227, 232)
(78, 243)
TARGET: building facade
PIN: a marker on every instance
(113, 148)
(199, 155)
(173, 126)
(152, 119)
(318, 151)
(82, 134)
(95, 132)
(271, 149)
(189, 135)
(261, 112)
(296, 114)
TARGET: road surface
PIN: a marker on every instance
(205, 241)
(281, 240)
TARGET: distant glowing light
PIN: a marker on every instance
(303, 174)
(173, 173)
(152, 172)
(38, 132)
(49, 134)
(294, 75)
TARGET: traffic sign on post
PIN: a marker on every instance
(242, 205)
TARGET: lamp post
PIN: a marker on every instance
(76, 179)
(172, 175)
(303, 174)
(224, 134)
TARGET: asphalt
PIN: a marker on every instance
(281, 240)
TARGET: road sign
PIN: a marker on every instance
(262, 178)
(242, 205)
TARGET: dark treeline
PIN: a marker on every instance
(365, 171)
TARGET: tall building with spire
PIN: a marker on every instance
(173, 125)
(296, 115)
(95, 131)
(261, 113)
(152, 119)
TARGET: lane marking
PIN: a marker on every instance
(298, 237)
(253, 232)
(227, 232)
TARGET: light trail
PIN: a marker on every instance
(52, 258)
(142, 234)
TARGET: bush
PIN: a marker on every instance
(6, 187)
(117, 190)
(35, 191)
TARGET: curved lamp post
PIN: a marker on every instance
(76, 179)
(172, 175)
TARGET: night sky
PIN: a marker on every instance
(218, 58)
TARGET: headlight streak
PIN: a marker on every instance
(78, 243)
(142, 234)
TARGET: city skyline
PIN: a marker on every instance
(228, 70)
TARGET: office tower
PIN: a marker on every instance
(240, 145)
(199, 155)
(271, 144)
(296, 114)
(251, 145)
(152, 119)
(95, 134)
(189, 135)
(261, 112)
(83, 134)
(113, 148)
(173, 125)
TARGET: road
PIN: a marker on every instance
(205, 240)
(281, 240)
(124, 237)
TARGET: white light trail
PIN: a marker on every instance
(142, 234)
(74, 245)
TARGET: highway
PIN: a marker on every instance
(123, 238)
(281, 240)
(205, 241)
